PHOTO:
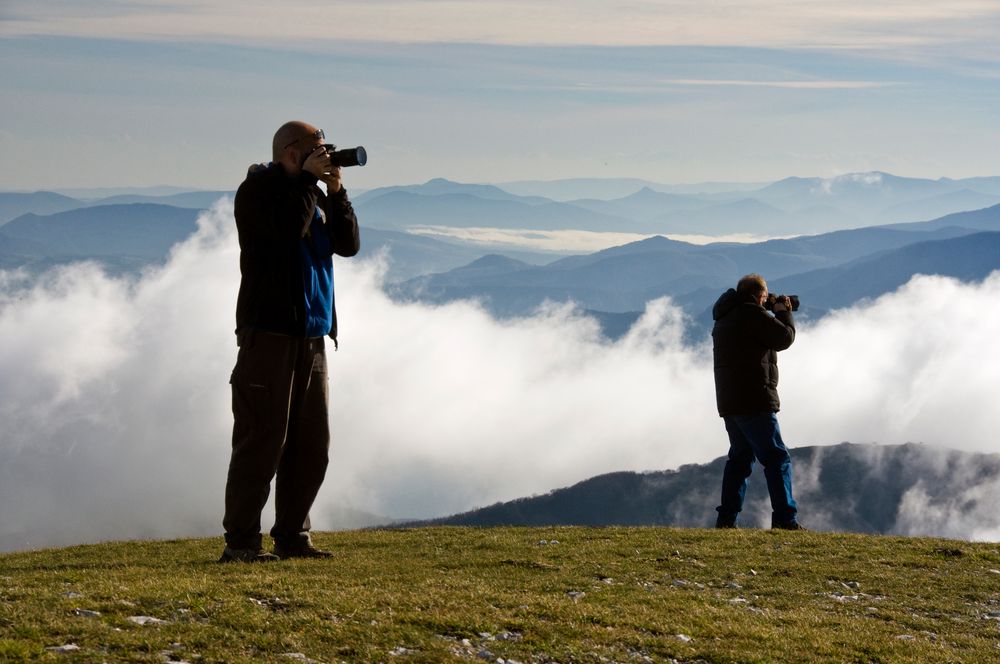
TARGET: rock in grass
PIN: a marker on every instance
(401, 650)
(64, 649)
(86, 613)
(146, 620)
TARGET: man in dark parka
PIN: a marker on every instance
(746, 340)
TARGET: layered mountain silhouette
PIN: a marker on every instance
(127, 231)
(906, 489)
(409, 256)
(967, 258)
(828, 271)
(125, 237)
(121, 237)
(400, 209)
(14, 205)
(793, 206)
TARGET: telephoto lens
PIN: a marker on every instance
(772, 298)
(347, 157)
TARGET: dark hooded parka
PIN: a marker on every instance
(746, 340)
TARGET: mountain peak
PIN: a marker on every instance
(493, 264)
(492, 260)
(438, 182)
(647, 193)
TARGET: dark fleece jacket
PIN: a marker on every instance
(272, 211)
(746, 340)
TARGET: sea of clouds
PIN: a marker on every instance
(114, 395)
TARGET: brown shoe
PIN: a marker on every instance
(300, 551)
(788, 525)
(230, 555)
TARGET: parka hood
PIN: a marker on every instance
(729, 301)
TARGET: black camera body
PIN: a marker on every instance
(346, 157)
(772, 298)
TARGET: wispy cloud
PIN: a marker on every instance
(655, 86)
(487, 91)
(764, 23)
(791, 85)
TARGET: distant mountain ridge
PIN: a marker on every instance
(400, 209)
(846, 487)
(967, 258)
(124, 237)
(793, 206)
(410, 256)
(441, 186)
(829, 270)
(14, 205)
(568, 189)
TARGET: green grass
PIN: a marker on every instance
(448, 594)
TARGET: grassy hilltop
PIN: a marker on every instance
(512, 594)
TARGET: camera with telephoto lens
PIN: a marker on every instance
(346, 157)
(772, 298)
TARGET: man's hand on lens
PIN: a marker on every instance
(317, 163)
(332, 180)
(783, 303)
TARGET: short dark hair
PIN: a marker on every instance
(751, 284)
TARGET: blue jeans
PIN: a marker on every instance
(756, 436)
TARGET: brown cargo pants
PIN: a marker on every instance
(280, 428)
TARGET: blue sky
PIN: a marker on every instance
(135, 92)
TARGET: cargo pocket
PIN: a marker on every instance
(251, 403)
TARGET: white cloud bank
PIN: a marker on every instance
(498, 239)
(116, 420)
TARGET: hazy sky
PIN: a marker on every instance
(148, 92)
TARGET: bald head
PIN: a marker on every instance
(289, 134)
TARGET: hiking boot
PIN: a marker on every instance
(299, 551)
(725, 522)
(231, 555)
(787, 525)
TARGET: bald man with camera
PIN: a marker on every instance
(289, 229)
